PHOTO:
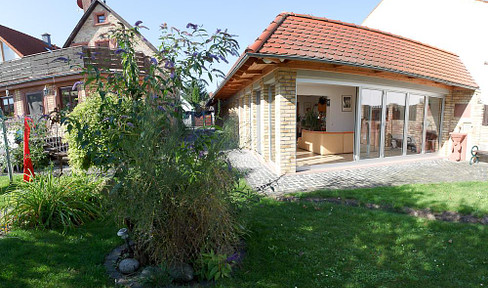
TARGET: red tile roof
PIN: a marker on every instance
(23, 43)
(304, 37)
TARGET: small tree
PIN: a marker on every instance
(173, 193)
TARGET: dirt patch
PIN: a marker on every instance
(447, 216)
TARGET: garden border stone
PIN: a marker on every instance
(446, 216)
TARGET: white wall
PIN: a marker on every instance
(458, 26)
(337, 121)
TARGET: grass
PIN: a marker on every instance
(5, 182)
(6, 186)
(32, 258)
(327, 245)
(297, 244)
(465, 197)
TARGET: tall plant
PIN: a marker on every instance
(173, 192)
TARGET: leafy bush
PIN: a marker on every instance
(100, 144)
(50, 202)
(213, 266)
(172, 189)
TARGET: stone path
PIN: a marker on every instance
(427, 171)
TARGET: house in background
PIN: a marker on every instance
(311, 92)
(33, 83)
(15, 45)
(458, 26)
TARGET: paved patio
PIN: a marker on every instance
(260, 177)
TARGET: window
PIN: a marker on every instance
(102, 43)
(8, 105)
(6, 53)
(100, 18)
(69, 98)
(35, 104)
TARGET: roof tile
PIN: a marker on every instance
(323, 39)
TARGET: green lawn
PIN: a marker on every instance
(299, 244)
(466, 197)
(50, 259)
(5, 185)
(328, 245)
(5, 182)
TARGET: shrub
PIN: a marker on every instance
(51, 202)
(173, 193)
(213, 266)
(100, 145)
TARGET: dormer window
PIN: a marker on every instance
(100, 18)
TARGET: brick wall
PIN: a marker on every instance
(469, 122)
(265, 120)
(283, 119)
(285, 103)
(254, 123)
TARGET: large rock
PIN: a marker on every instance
(128, 266)
(182, 272)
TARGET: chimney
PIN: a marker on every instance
(84, 4)
(46, 37)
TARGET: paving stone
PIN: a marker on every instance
(422, 171)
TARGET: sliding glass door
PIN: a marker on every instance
(433, 125)
(416, 108)
(371, 115)
(394, 123)
(397, 123)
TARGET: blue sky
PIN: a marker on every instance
(247, 19)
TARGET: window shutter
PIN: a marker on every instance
(485, 115)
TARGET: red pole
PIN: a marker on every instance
(28, 167)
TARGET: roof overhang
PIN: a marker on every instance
(246, 61)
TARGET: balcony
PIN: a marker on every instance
(47, 65)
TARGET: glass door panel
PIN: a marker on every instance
(395, 122)
(433, 124)
(371, 111)
(416, 105)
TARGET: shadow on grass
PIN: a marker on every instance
(32, 258)
(463, 197)
(326, 245)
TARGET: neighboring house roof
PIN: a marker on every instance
(304, 37)
(22, 43)
(88, 13)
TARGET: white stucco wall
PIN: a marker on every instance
(458, 26)
(337, 121)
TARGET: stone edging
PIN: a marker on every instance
(446, 216)
(110, 266)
